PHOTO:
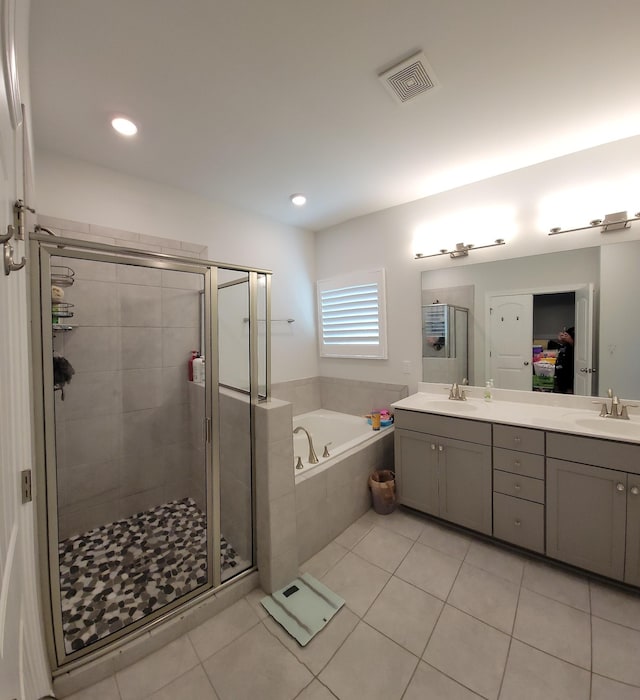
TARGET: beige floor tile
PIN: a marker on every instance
(321, 562)
(323, 646)
(357, 581)
(445, 539)
(401, 521)
(616, 651)
(430, 570)
(406, 614)
(193, 685)
(496, 560)
(615, 605)
(469, 651)
(552, 582)
(384, 548)
(212, 635)
(256, 665)
(429, 684)
(254, 598)
(489, 598)
(606, 689)
(316, 691)
(553, 627)
(157, 670)
(534, 675)
(368, 665)
(350, 537)
(104, 690)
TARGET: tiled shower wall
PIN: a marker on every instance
(123, 431)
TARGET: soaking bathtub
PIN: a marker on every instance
(341, 433)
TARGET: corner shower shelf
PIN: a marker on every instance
(56, 327)
(62, 276)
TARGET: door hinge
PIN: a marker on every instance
(25, 485)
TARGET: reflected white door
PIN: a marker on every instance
(583, 344)
(511, 328)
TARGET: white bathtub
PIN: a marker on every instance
(340, 432)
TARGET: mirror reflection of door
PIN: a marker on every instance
(518, 322)
(511, 327)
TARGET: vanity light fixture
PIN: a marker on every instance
(124, 126)
(460, 251)
(611, 222)
(298, 199)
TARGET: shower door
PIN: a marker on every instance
(129, 466)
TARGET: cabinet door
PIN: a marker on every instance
(632, 562)
(586, 516)
(464, 471)
(416, 470)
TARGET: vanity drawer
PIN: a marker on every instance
(445, 426)
(516, 438)
(518, 486)
(519, 522)
(518, 462)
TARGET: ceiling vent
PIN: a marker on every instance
(410, 78)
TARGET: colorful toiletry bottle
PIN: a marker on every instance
(198, 370)
(194, 354)
(375, 420)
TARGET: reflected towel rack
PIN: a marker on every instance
(274, 320)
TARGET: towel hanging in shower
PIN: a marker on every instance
(62, 373)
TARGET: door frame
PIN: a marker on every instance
(535, 291)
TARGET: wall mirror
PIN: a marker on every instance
(593, 289)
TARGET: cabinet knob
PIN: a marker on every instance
(517, 523)
(516, 463)
(433, 447)
(635, 490)
(516, 440)
(517, 487)
(619, 486)
(440, 448)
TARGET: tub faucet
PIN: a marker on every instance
(313, 457)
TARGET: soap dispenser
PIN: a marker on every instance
(488, 394)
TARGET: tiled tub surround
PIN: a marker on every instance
(352, 396)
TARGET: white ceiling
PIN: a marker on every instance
(248, 101)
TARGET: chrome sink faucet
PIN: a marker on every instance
(617, 409)
(456, 394)
(313, 457)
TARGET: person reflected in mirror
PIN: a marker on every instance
(563, 377)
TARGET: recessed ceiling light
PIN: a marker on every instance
(298, 199)
(124, 126)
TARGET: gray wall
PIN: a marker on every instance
(619, 319)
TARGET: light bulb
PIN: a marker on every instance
(124, 126)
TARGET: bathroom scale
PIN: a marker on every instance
(303, 607)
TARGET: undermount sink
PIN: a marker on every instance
(449, 405)
(611, 426)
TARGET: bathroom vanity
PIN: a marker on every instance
(545, 473)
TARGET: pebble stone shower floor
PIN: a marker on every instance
(117, 573)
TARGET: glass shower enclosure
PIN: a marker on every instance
(147, 476)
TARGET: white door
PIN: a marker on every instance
(583, 343)
(24, 673)
(510, 329)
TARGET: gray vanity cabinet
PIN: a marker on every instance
(443, 467)
(593, 505)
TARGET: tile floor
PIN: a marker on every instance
(430, 614)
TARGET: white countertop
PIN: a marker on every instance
(558, 412)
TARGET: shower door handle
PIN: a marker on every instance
(207, 430)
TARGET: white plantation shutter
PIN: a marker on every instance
(351, 314)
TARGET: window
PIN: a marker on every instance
(351, 316)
